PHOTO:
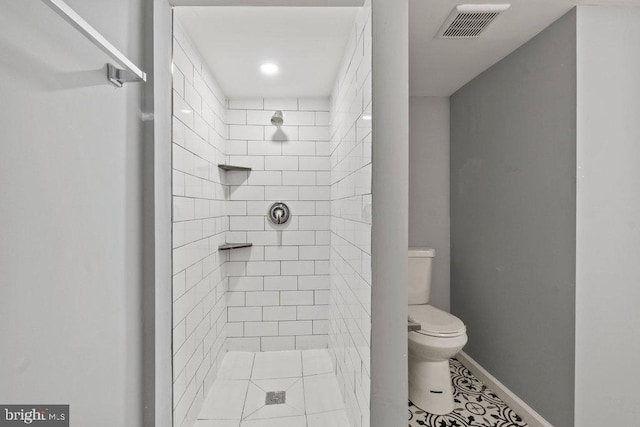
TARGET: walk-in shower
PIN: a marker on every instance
(271, 254)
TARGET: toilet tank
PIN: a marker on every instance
(420, 274)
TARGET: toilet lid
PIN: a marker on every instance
(435, 322)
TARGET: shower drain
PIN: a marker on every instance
(276, 397)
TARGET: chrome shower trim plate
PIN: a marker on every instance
(279, 213)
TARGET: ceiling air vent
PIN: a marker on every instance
(468, 21)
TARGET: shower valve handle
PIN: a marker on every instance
(279, 213)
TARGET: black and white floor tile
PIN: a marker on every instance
(475, 405)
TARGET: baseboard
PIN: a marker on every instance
(527, 413)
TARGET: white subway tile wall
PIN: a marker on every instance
(350, 251)
(200, 224)
(278, 287)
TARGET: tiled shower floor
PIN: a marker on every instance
(237, 397)
(475, 405)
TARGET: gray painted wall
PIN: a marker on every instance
(608, 206)
(429, 187)
(513, 147)
(71, 234)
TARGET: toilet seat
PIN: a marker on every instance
(435, 322)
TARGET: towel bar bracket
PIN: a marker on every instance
(119, 77)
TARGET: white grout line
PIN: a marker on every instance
(244, 404)
(304, 399)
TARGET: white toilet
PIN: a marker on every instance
(440, 337)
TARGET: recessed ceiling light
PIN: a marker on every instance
(269, 68)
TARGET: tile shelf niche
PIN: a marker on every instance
(229, 246)
(233, 168)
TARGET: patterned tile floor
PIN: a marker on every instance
(475, 405)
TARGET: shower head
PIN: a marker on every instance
(277, 119)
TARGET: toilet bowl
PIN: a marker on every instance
(440, 337)
(430, 349)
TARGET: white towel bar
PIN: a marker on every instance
(117, 76)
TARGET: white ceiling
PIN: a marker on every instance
(439, 67)
(307, 44)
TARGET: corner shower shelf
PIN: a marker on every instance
(229, 246)
(233, 168)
